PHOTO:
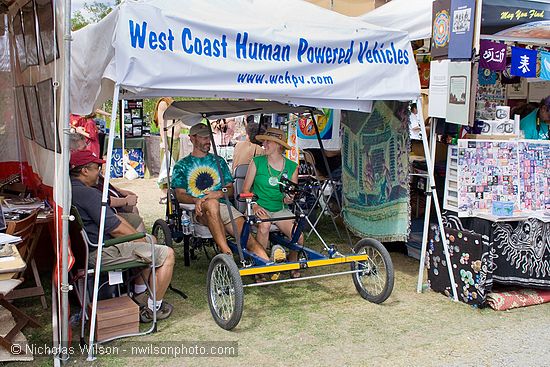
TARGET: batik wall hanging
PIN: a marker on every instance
(375, 173)
(329, 130)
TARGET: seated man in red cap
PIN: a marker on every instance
(85, 167)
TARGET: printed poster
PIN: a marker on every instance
(518, 91)
(458, 102)
(538, 91)
(441, 28)
(462, 29)
(439, 74)
(329, 129)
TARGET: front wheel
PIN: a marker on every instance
(375, 280)
(161, 230)
(225, 291)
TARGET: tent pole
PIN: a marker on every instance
(66, 198)
(430, 158)
(427, 151)
(123, 139)
(237, 235)
(100, 239)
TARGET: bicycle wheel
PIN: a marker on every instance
(375, 282)
(225, 291)
(161, 230)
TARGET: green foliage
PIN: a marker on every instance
(93, 13)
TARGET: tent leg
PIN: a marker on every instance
(431, 181)
(91, 356)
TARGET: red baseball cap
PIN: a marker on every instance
(83, 157)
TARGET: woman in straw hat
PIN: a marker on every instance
(263, 177)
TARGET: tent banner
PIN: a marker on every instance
(375, 171)
(347, 61)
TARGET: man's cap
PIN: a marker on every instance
(83, 157)
(200, 130)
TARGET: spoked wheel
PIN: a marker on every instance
(225, 291)
(162, 232)
(375, 282)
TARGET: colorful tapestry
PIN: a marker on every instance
(470, 260)
(135, 160)
(507, 300)
(375, 176)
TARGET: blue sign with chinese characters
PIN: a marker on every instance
(524, 62)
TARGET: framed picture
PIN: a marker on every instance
(34, 115)
(46, 106)
(23, 115)
(50, 50)
(137, 122)
(29, 30)
(136, 113)
(19, 41)
(136, 131)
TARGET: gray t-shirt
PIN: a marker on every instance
(88, 202)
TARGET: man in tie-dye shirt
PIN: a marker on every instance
(196, 180)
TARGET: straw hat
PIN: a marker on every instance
(276, 135)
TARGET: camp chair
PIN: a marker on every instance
(325, 190)
(25, 228)
(82, 276)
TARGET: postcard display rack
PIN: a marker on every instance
(498, 178)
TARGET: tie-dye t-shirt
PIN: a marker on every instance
(198, 175)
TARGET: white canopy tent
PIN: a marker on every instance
(289, 51)
(413, 16)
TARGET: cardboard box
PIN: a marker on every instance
(115, 317)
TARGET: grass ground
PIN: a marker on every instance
(325, 322)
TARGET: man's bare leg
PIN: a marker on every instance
(212, 219)
(252, 245)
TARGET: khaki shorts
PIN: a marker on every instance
(224, 213)
(132, 218)
(280, 214)
(131, 251)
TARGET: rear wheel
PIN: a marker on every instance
(161, 230)
(375, 280)
(225, 291)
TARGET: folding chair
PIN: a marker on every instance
(26, 229)
(326, 190)
(82, 276)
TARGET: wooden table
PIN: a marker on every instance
(37, 290)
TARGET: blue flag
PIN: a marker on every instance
(545, 65)
(524, 62)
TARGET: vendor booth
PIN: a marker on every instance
(490, 62)
(322, 60)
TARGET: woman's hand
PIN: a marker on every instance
(288, 199)
(260, 212)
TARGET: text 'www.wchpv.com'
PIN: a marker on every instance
(284, 79)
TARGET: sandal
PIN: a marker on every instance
(163, 200)
(294, 274)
